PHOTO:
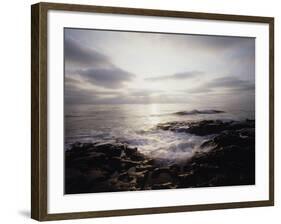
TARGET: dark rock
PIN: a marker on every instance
(109, 148)
(193, 112)
(130, 151)
(144, 167)
(129, 163)
(230, 161)
(160, 176)
(227, 158)
(175, 169)
(115, 163)
(157, 171)
(206, 127)
(102, 167)
(167, 185)
(133, 154)
(187, 179)
(97, 175)
(126, 177)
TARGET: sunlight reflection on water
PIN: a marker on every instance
(135, 125)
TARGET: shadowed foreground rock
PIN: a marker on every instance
(228, 159)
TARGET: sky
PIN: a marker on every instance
(118, 67)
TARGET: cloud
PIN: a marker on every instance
(144, 92)
(77, 93)
(93, 67)
(231, 82)
(222, 84)
(199, 90)
(103, 67)
(75, 53)
(216, 43)
(223, 42)
(113, 77)
(81, 85)
(177, 76)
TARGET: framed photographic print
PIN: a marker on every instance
(141, 111)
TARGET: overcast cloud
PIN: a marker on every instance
(130, 67)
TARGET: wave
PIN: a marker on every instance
(194, 112)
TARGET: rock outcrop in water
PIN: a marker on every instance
(194, 112)
(206, 127)
(114, 166)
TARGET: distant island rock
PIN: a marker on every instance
(194, 112)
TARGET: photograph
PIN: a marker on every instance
(138, 111)
(150, 111)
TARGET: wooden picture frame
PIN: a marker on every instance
(39, 109)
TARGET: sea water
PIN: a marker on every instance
(135, 124)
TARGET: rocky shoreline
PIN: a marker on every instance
(226, 159)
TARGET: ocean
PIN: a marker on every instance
(135, 124)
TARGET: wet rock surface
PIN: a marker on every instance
(227, 158)
(206, 127)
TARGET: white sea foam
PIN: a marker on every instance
(135, 125)
(159, 144)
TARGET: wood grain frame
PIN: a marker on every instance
(39, 203)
